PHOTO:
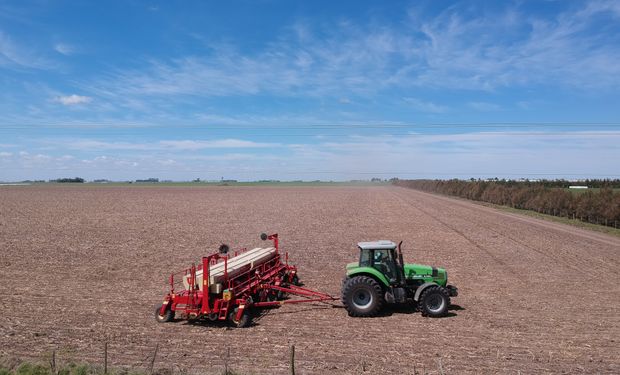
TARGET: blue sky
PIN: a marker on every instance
(309, 90)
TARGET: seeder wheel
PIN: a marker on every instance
(167, 317)
(244, 321)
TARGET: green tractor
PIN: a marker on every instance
(381, 276)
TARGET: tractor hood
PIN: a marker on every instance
(426, 273)
(352, 265)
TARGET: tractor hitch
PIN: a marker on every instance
(452, 290)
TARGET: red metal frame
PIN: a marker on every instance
(254, 288)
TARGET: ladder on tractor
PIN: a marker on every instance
(223, 313)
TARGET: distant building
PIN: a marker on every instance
(577, 187)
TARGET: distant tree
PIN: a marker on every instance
(76, 180)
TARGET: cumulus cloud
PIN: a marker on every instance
(73, 99)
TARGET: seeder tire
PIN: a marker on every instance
(362, 296)
(295, 280)
(434, 302)
(243, 322)
(167, 317)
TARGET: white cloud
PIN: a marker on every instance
(163, 145)
(222, 143)
(453, 50)
(479, 154)
(73, 99)
(514, 48)
(424, 106)
(13, 54)
(64, 49)
(5, 154)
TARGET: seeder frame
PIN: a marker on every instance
(259, 287)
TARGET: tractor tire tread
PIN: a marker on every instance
(430, 290)
(349, 286)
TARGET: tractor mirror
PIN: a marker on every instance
(263, 236)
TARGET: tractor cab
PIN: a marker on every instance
(385, 257)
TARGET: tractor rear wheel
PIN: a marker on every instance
(434, 302)
(167, 317)
(362, 296)
(242, 322)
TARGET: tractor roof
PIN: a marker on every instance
(377, 245)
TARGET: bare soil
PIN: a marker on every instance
(84, 265)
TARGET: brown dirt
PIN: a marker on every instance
(84, 265)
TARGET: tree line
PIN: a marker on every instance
(600, 206)
(75, 180)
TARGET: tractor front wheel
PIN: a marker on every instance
(167, 317)
(362, 296)
(434, 302)
(242, 322)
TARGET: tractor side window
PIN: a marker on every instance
(384, 263)
(365, 258)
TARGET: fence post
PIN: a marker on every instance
(105, 357)
(293, 359)
(53, 362)
(153, 359)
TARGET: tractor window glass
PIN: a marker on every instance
(383, 262)
(365, 258)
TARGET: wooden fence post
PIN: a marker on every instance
(105, 357)
(293, 359)
(53, 362)
(153, 359)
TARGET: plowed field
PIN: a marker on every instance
(81, 266)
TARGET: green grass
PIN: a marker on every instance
(557, 219)
(15, 367)
(34, 368)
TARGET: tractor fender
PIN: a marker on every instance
(421, 289)
(372, 273)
